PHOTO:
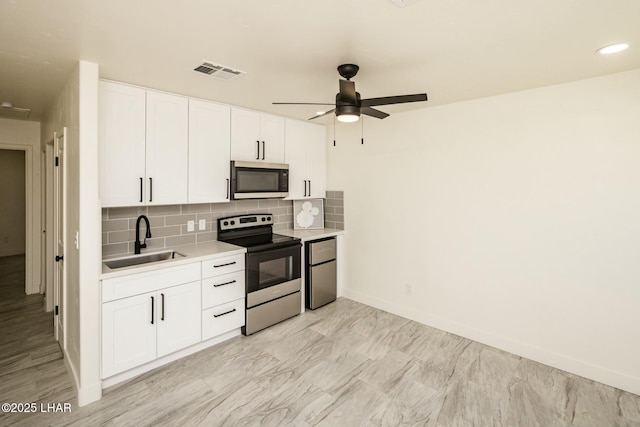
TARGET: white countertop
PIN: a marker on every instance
(193, 253)
(306, 235)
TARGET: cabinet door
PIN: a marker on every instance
(245, 135)
(179, 317)
(317, 160)
(209, 152)
(272, 138)
(121, 142)
(296, 157)
(128, 333)
(167, 148)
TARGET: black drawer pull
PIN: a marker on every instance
(222, 284)
(224, 265)
(226, 312)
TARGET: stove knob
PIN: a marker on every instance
(233, 223)
(264, 219)
(226, 223)
(269, 219)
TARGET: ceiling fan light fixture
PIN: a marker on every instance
(348, 113)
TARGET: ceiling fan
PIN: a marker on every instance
(349, 106)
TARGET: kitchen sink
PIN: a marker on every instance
(143, 259)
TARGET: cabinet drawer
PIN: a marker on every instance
(139, 283)
(225, 265)
(222, 289)
(222, 318)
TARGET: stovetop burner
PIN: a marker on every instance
(254, 232)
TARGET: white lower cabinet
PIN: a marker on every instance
(178, 317)
(141, 328)
(147, 316)
(128, 333)
(222, 318)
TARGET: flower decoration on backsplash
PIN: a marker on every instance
(307, 215)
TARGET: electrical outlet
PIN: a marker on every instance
(191, 225)
(202, 224)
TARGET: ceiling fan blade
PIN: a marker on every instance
(373, 112)
(301, 103)
(348, 92)
(323, 114)
(387, 100)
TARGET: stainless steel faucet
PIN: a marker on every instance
(139, 245)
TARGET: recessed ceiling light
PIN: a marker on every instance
(618, 47)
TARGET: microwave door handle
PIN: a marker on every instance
(258, 150)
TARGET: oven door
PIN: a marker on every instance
(272, 274)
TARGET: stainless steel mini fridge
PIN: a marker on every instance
(320, 280)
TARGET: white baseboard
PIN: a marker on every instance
(542, 355)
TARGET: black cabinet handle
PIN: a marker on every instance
(228, 188)
(151, 189)
(226, 312)
(305, 188)
(263, 150)
(162, 316)
(152, 305)
(309, 188)
(141, 189)
(224, 265)
(258, 150)
(222, 284)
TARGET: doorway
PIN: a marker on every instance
(12, 203)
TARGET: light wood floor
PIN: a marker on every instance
(345, 364)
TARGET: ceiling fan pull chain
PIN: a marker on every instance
(334, 130)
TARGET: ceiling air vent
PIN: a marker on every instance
(218, 71)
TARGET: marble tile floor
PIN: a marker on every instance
(346, 364)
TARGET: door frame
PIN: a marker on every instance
(29, 286)
(48, 217)
(60, 278)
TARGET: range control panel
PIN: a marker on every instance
(244, 221)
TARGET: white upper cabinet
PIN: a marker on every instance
(121, 124)
(256, 136)
(209, 151)
(167, 148)
(143, 146)
(305, 152)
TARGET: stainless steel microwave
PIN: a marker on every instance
(259, 180)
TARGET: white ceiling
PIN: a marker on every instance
(452, 49)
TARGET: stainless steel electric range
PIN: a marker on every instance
(272, 269)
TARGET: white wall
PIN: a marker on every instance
(12, 203)
(24, 135)
(514, 220)
(77, 108)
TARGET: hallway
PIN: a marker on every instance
(31, 364)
